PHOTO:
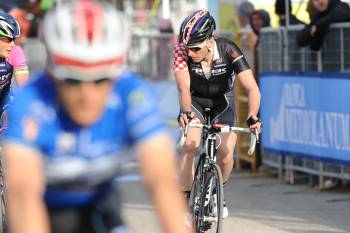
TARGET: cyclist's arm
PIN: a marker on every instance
(247, 80)
(182, 77)
(183, 85)
(20, 67)
(21, 79)
(25, 189)
(157, 161)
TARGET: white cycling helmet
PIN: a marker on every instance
(85, 40)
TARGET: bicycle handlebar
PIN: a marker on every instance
(254, 136)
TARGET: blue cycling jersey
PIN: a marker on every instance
(81, 162)
(6, 72)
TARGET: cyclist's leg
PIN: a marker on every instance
(225, 161)
(190, 148)
(225, 154)
(225, 114)
(186, 165)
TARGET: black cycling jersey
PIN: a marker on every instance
(230, 61)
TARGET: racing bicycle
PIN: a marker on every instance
(206, 196)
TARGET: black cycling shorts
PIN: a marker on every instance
(101, 217)
(222, 108)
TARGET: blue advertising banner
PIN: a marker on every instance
(307, 115)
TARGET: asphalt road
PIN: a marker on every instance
(257, 203)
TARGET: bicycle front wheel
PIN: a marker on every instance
(215, 198)
(206, 200)
(196, 202)
(2, 206)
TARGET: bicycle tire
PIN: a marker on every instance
(215, 207)
(207, 216)
(3, 216)
(2, 208)
(195, 201)
(3, 224)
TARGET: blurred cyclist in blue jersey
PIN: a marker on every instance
(68, 129)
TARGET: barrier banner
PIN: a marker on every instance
(307, 115)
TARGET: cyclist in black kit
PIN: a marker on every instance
(205, 68)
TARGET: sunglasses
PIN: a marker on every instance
(195, 49)
(76, 82)
(6, 40)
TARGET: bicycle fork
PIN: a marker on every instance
(211, 159)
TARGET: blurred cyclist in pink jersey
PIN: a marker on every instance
(12, 61)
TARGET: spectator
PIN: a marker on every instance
(38, 10)
(258, 20)
(245, 9)
(311, 10)
(328, 11)
(280, 10)
(21, 15)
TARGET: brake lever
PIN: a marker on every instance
(257, 136)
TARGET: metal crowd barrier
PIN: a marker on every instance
(278, 51)
(270, 50)
(151, 55)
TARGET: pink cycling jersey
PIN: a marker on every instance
(14, 64)
(18, 61)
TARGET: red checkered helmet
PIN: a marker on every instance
(85, 40)
(196, 28)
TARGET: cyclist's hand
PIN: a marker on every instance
(254, 123)
(184, 118)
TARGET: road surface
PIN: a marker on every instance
(257, 203)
